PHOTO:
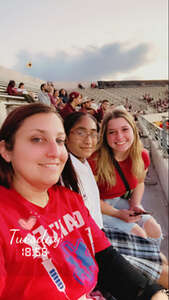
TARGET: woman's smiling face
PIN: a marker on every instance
(82, 139)
(119, 135)
(39, 153)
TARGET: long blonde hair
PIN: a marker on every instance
(104, 154)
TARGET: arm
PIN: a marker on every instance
(107, 209)
(137, 195)
(122, 280)
(123, 214)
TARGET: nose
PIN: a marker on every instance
(119, 135)
(88, 139)
(53, 149)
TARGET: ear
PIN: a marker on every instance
(4, 152)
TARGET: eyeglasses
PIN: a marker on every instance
(84, 134)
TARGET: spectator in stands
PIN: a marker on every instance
(21, 88)
(111, 107)
(56, 101)
(74, 100)
(43, 94)
(85, 104)
(127, 105)
(63, 95)
(102, 110)
(93, 85)
(80, 86)
(43, 214)
(50, 89)
(120, 165)
(13, 91)
(82, 136)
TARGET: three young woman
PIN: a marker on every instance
(50, 247)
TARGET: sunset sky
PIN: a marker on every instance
(72, 40)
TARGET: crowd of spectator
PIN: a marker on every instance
(12, 90)
(161, 104)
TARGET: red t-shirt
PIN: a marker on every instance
(47, 253)
(67, 110)
(119, 189)
(11, 91)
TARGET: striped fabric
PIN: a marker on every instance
(140, 252)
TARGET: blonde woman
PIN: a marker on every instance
(120, 145)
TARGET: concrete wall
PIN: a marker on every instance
(155, 117)
(161, 166)
(3, 113)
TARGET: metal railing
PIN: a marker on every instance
(160, 135)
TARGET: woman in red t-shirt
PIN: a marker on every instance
(120, 144)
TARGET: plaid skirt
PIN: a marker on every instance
(140, 252)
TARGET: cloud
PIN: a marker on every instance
(92, 63)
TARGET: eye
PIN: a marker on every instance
(81, 132)
(125, 129)
(60, 141)
(37, 139)
(111, 132)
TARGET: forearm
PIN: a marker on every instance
(137, 195)
(121, 279)
(107, 209)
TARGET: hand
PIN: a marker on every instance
(127, 216)
(137, 208)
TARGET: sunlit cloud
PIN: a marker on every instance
(91, 63)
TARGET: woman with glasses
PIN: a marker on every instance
(82, 136)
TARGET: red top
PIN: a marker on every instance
(67, 110)
(47, 253)
(11, 91)
(119, 189)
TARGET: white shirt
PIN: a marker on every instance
(88, 188)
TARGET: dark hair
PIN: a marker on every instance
(8, 130)
(105, 101)
(69, 122)
(11, 83)
(42, 85)
(20, 84)
(60, 92)
(72, 119)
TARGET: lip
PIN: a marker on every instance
(87, 149)
(49, 165)
(120, 143)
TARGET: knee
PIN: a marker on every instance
(152, 228)
(163, 280)
(137, 230)
(164, 258)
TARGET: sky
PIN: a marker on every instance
(89, 40)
